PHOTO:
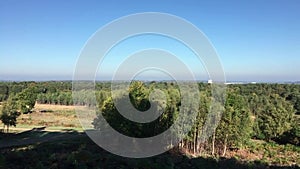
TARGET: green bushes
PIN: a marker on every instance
(80, 152)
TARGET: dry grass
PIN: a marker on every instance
(48, 119)
(50, 116)
(39, 107)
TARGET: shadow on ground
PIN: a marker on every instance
(35, 135)
(73, 150)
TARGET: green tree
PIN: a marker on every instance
(3, 92)
(26, 99)
(275, 118)
(9, 113)
(235, 126)
(138, 94)
(292, 136)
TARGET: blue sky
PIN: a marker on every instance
(256, 40)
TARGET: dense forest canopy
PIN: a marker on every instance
(267, 112)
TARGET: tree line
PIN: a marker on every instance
(267, 112)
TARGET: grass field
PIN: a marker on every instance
(53, 117)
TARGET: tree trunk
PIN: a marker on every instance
(191, 146)
(213, 144)
(180, 146)
(198, 142)
(199, 149)
(225, 145)
(197, 146)
(195, 141)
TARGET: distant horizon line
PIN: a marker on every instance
(181, 80)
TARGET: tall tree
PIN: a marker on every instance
(235, 126)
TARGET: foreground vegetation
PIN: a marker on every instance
(73, 150)
(260, 126)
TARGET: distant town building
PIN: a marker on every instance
(209, 81)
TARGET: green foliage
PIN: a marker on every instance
(275, 117)
(4, 92)
(262, 111)
(293, 135)
(9, 113)
(138, 94)
(235, 126)
(26, 99)
(70, 154)
(60, 98)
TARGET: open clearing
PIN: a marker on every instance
(39, 107)
(53, 117)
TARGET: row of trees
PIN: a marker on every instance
(52, 92)
(12, 88)
(251, 111)
(57, 98)
(81, 98)
(20, 97)
(263, 111)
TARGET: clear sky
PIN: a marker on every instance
(256, 40)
